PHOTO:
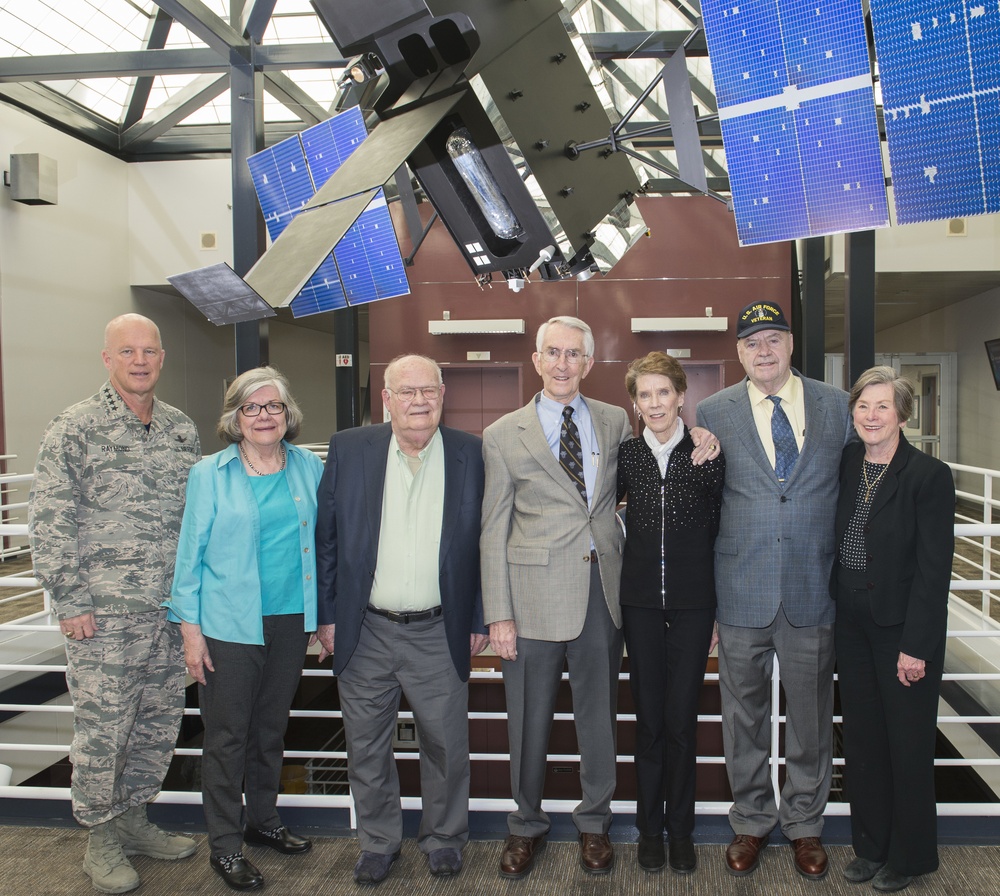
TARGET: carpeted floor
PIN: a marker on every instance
(47, 862)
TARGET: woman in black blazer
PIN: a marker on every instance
(668, 603)
(895, 537)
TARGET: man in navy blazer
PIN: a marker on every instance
(783, 435)
(400, 609)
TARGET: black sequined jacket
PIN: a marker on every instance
(671, 524)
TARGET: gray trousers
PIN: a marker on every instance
(127, 686)
(531, 683)
(746, 661)
(244, 705)
(392, 660)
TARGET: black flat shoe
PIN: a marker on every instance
(237, 872)
(682, 855)
(280, 839)
(651, 854)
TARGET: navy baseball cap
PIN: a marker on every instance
(760, 316)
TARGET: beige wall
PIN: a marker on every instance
(117, 230)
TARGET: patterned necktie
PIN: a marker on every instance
(786, 451)
(571, 452)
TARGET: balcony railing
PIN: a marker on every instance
(31, 645)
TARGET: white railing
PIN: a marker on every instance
(975, 643)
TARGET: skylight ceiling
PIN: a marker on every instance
(64, 27)
(124, 84)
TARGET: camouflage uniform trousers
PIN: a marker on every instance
(127, 685)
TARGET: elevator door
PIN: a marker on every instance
(475, 396)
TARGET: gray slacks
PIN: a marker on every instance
(244, 705)
(746, 661)
(531, 683)
(391, 660)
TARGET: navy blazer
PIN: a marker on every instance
(348, 520)
(909, 543)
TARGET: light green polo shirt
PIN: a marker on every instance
(409, 544)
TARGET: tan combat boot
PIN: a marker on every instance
(140, 837)
(105, 863)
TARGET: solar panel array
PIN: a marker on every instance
(797, 111)
(939, 68)
(366, 264)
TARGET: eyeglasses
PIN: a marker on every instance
(272, 407)
(572, 355)
(408, 395)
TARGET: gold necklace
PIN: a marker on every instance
(871, 486)
(258, 472)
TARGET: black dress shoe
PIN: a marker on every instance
(237, 872)
(682, 855)
(280, 839)
(651, 854)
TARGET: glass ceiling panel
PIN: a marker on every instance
(57, 27)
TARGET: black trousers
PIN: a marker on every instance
(889, 737)
(667, 651)
(244, 706)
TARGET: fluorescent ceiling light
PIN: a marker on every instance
(483, 326)
(679, 324)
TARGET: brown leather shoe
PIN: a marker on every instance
(596, 853)
(810, 858)
(743, 854)
(518, 854)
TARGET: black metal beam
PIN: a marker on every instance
(254, 19)
(641, 44)
(859, 304)
(246, 91)
(156, 39)
(813, 363)
(204, 24)
(345, 378)
(62, 113)
(181, 104)
(294, 98)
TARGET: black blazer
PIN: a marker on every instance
(669, 538)
(909, 543)
(347, 531)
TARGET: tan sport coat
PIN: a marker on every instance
(537, 532)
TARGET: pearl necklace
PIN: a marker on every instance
(258, 472)
(870, 486)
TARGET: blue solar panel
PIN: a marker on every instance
(798, 118)
(366, 264)
(939, 67)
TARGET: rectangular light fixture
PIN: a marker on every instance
(679, 324)
(482, 326)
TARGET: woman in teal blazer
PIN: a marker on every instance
(244, 594)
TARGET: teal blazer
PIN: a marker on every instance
(216, 578)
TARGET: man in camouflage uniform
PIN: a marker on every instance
(104, 516)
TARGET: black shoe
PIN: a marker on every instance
(651, 854)
(237, 872)
(682, 857)
(280, 839)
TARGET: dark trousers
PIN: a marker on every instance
(667, 653)
(244, 706)
(889, 737)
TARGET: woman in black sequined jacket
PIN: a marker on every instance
(668, 603)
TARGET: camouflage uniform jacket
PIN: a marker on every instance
(105, 509)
